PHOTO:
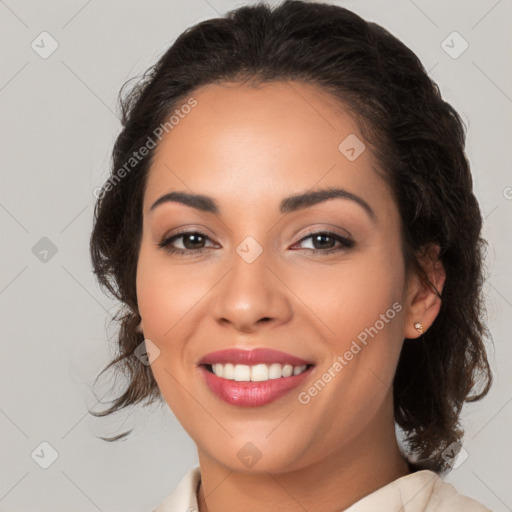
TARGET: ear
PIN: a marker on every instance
(423, 302)
(139, 328)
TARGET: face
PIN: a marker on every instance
(312, 287)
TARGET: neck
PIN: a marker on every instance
(333, 483)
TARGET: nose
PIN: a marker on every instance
(251, 296)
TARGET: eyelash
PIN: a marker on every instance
(165, 244)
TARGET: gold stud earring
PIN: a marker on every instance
(419, 327)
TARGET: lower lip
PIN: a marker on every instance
(252, 394)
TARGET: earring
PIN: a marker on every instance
(419, 327)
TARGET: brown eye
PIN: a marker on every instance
(325, 242)
(188, 243)
(193, 241)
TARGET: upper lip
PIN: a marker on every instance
(252, 356)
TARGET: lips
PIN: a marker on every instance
(252, 378)
(252, 357)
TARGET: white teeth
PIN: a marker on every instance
(287, 370)
(242, 373)
(257, 372)
(274, 371)
(298, 369)
(228, 371)
(218, 370)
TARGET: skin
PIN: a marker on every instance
(248, 148)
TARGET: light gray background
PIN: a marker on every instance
(58, 125)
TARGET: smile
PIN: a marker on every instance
(256, 373)
(252, 378)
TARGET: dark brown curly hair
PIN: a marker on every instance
(418, 140)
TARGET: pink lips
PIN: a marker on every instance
(251, 394)
(250, 357)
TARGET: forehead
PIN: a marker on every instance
(241, 142)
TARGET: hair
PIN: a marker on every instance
(418, 140)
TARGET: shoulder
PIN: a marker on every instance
(184, 496)
(445, 497)
(422, 491)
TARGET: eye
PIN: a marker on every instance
(186, 243)
(326, 242)
(192, 243)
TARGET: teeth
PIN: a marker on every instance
(257, 372)
(274, 371)
(242, 373)
(218, 369)
(288, 370)
(228, 371)
(298, 369)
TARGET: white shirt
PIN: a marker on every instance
(422, 491)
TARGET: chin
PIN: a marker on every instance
(259, 455)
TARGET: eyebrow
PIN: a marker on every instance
(307, 199)
(288, 204)
(197, 201)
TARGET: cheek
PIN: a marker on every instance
(372, 340)
(165, 294)
(163, 305)
(361, 303)
(351, 297)
(164, 299)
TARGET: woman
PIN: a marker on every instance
(283, 227)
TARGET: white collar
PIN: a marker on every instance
(422, 491)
